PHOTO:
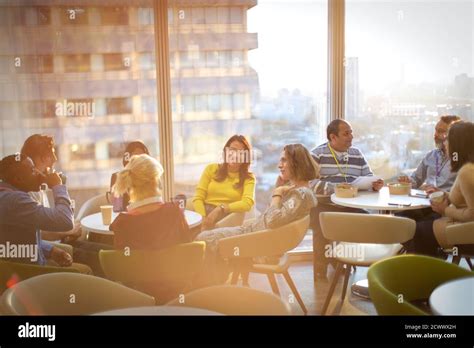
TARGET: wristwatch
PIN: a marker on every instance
(222, 206)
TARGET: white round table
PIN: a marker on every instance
(93, 223)
(159, 310)
(455, 297)
(382, 201)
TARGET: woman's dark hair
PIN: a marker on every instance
(38, 145)
(132, 147)
(461, 144)
(448, 119)
(302, 165)
(244, 173)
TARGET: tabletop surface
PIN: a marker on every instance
(380, 201)
(454, 297)
(160, 310)
(93, 223)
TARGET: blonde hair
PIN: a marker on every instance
(140, 178)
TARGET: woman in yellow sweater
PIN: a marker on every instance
(228, 187)
(458, 206)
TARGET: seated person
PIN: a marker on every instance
(458, 205)
(133, 148)
(228, 187)
(434, 172)
(292, 199)
(149, 223)
(338, 162)
(40, 148)
(22, 218)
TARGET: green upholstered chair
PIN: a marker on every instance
(69, 294)
(163, 273)
(396, 283)
(234, 300)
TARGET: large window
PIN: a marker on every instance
(71, 77)
(252, 76)
(407, 63)
(258, 68)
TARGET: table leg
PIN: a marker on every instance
(361, 287)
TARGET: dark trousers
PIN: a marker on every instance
(424, 242)
(320, 261)
(88, 253)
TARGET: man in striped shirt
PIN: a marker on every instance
(339, 162)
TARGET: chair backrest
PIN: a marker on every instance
(365, 228)
(69, 294)
(395, 282)
(234, 300)
(176, 264)
(460, 234)
(12, 273)
(91, 206)
(271, 242)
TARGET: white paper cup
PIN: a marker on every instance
(437, 197)
(106, 211)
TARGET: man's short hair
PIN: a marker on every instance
(9, 165)
(448, 119)
(333, 127)
(38, 145)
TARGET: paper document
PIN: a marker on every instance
(365, 182)
(418, 193)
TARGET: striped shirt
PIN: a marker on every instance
(352, 164)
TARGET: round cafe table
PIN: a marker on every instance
(159, 310)
(385, 203)
(454, 297)
(93, 223)
(382, 201)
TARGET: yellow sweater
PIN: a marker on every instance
(210, 191)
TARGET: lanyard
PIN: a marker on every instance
(438, 169)
(337, 162)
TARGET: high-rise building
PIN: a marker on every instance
(88, 78)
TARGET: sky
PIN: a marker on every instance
(408, 41)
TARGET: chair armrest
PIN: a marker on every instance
(269, 242)
(460, 234)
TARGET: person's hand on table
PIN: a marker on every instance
(429, 189)
(61, 257)
(377, 185)
(403, 179)
(441, 206)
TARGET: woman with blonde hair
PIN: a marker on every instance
(292, 199)
(149, 223)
